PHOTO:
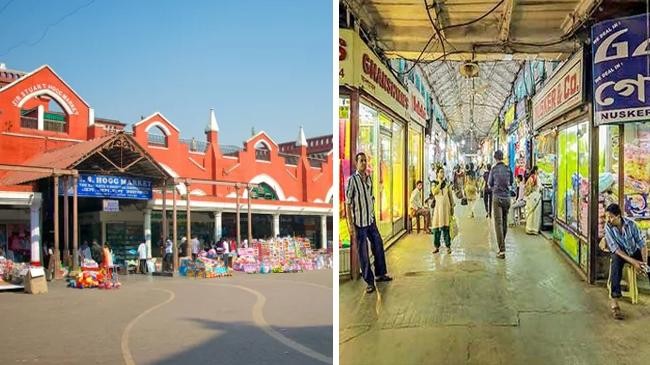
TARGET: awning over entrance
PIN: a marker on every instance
(114, 154)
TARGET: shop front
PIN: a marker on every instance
(373, 118)
(562, 125)
(622, 120)
(510, 128)
(415, 156)
(105, 201)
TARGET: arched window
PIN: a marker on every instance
(157, 137)
(55, 118)
(264, 191)
(262, 151)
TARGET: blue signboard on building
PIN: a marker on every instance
(109, 186)
(621, 64)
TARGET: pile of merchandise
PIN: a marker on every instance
(203, 267)
(91, 276)
(12, 272)
(281, 255)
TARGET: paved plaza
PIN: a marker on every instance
(471, 308)
(245, 319)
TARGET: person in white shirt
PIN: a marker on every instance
(196, 245)
(417, 207)
(142, 255)
(169, 250)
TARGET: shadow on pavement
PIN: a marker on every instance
(244, 343)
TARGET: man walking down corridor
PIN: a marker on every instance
(362, 225)
(499, 182)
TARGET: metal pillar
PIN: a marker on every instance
(188, 230)
(57, 251)
(66, 222)
(174, 230)
(250, 217)
(75, 225)
(164, 229)
(237, 218)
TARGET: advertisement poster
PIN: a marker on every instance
(621, 64)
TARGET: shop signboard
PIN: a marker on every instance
(563, 92)
(360, 67)
(111, 186)
(621, 64)
(346, 68)
(417, 106)
(111, 205)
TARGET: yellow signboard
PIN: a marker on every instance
(360, 67)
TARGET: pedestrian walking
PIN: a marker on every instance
(443, 211)
(459, 182)
(169, 250)
(500, 181)
(417, 207)
(142, 255)
(533, 203)
(362, 224)
(196, 247)
(624, 241)
(487, 193)
(471, 193)
(107, 262)
(520, 201)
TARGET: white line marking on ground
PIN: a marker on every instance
(126, 352)
(260, 321)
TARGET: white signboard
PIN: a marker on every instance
(111, 205)
(562, 92)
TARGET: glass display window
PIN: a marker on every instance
(608, 160)
(368, 143)
(573, 177)
(636, 169)
(398, 161)
(414, 159)
(346, 166)
(385, 185)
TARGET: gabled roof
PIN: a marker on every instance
(161, 117)
(98, 155)
(25, 77)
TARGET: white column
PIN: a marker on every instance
(323, 231)
(276, 225)
(41, 117)
(217, 226)
(147, 231)
(35, 223)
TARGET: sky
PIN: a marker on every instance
(261, 64)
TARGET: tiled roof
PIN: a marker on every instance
(61, 158)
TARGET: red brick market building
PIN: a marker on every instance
(44, 123)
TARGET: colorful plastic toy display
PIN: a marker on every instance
(281, 255)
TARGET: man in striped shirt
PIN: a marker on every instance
(362, 226)
(626, 244)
